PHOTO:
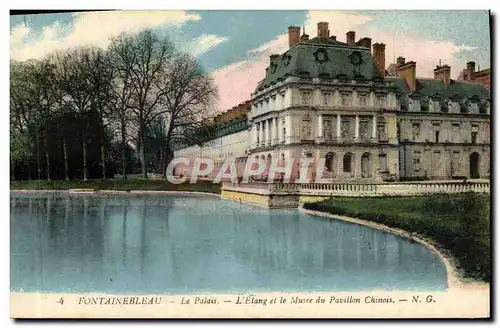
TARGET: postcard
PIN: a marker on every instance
(250, 164)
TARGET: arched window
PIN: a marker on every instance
(347, 163)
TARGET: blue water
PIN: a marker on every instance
(194, 244)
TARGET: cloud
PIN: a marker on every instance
(89, 28)
(204, 43)
(237, 82)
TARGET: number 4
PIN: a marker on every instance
(61, 301)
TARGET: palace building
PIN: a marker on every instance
(327, 99)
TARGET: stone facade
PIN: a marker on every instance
(329, 100)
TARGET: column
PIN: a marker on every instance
(338, 126)
(255, 134)
(264, 134)
(270, 128)
(320, 125)
(276, 130)
(288, 120)
(273, 128)
(356, 128)
(261, 132)
(374, 127)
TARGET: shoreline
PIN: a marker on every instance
(111, 192)
(454, 279)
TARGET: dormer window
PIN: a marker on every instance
(464, 107)
(450, 106)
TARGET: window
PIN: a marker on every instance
(473, 137)
(382, 158)
(326, 98)
(346, 99)
(346, 128)
(327, 130)
(363, 129)
(306, 129)
(347, 163)
(416, 161)
(284, 134)
(283, 100)
(306, 97)
(381, 100)
(416, 131)
(445, 108)
(363, 100)
(382, 136)
(329, 162)
(475, 129)
(436, 136)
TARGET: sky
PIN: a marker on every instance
(234, 46)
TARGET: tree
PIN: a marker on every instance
(32, 103)
(85, 76)
(188, 95)
(142, 58)
(119, 109)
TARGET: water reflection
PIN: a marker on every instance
(182, 244)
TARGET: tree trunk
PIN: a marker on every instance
(124, 152)
(47, 157)
(29, 170)
(103, 161)
(12, 173)
(103, 155)
(65, 155)
(142, 153)
(84, 149)
(160, 162)
(38, 156)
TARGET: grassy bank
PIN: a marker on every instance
(133, 184)
(458, 223)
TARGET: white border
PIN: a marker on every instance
(194, 4)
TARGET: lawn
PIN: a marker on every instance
(132, 184)
(459, 223)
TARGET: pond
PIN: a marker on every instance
(178, 244)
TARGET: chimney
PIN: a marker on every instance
(400, 61)
(273, 58)
(351, 37)
(365, 42)
(323, 31)
(471, 68)
(443, 73)
(379, 57)
(408, 72)
(293, 35)
(304, 37)
(333, 37)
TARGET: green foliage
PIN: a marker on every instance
(458, 222)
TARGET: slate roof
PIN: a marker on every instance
(321, 58)
(427, 88)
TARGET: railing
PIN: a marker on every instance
(360, 189)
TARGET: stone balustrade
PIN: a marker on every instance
(360, 190)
